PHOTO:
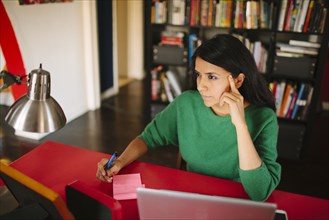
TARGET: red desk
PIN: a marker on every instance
(55, 165)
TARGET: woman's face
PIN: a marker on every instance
(212, 82)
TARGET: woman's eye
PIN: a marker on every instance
(196, 74)
(212, 77)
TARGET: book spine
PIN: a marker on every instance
(283, 10)
(300, 93)
(279, 95)
(308, 16)
(302, 16)
(289, 100)
(306, 109)
(292, 104)
(288, 15)
(285, 100)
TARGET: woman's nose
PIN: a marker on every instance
(201, 84)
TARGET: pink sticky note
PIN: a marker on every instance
(125, 185)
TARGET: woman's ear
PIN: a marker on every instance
(239, 80)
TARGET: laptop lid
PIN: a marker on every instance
(168, 204)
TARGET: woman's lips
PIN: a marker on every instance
(205, 97)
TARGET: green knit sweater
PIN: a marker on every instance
(208, 142)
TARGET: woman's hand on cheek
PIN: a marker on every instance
(235, 101)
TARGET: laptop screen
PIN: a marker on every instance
(168, 204)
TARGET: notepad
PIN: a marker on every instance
(125, 185)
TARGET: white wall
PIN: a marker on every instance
(63, 37)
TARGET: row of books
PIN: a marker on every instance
(291, 100)
(165, 85)
(257, 48)
(303, 15)
(29, 2)
(172, 38)
(217, 13)
(297, 48)
(253, 14)
(259, 51)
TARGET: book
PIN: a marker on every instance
(288, 102)
(297, 104)
(297, 49)
(302, 15)
(288, 15)
(160, 12)
(204, 12)
(286, 95)
(279, 96)
(239, 14)
(263, 61)
(170, 96)
(308, 15)
(292, 104)
(192, 12)
(280, 53)
(295, 14)
(282, 15)
(304, 43)
(275, 83)
(210, 12)
(268, 8)
(308, 101)
(194, 42)
(302, 102)
(315, 13)
(323, 20)
(197, 12)
(316, 25)
(252, 14)
(163, 90)
(177, 11)
(172, 38)
(257, 53)
(155, 83)
(223, 14)
(174, 84)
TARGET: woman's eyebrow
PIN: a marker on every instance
(208, 73)
(213, 73)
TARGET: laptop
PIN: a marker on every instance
(168, 204)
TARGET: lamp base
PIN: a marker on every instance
(30, 135)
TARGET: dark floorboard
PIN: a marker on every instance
(123, 117)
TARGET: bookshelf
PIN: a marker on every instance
(288, 39)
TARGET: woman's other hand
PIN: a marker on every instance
(107, 175)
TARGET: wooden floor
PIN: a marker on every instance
(123, 117)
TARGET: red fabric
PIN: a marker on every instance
(55, 165)
(11, 52)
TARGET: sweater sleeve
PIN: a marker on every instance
(260, 183)
(162, 130)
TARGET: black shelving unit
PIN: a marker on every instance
(293, 140)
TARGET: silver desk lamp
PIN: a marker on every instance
(36, 111)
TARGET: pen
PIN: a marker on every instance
(109, 163)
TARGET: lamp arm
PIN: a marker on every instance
(9, 79)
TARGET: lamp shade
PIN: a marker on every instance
(37, 111)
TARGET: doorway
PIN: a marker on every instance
(122, 23)
(121, 44)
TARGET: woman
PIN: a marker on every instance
(227, 128)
